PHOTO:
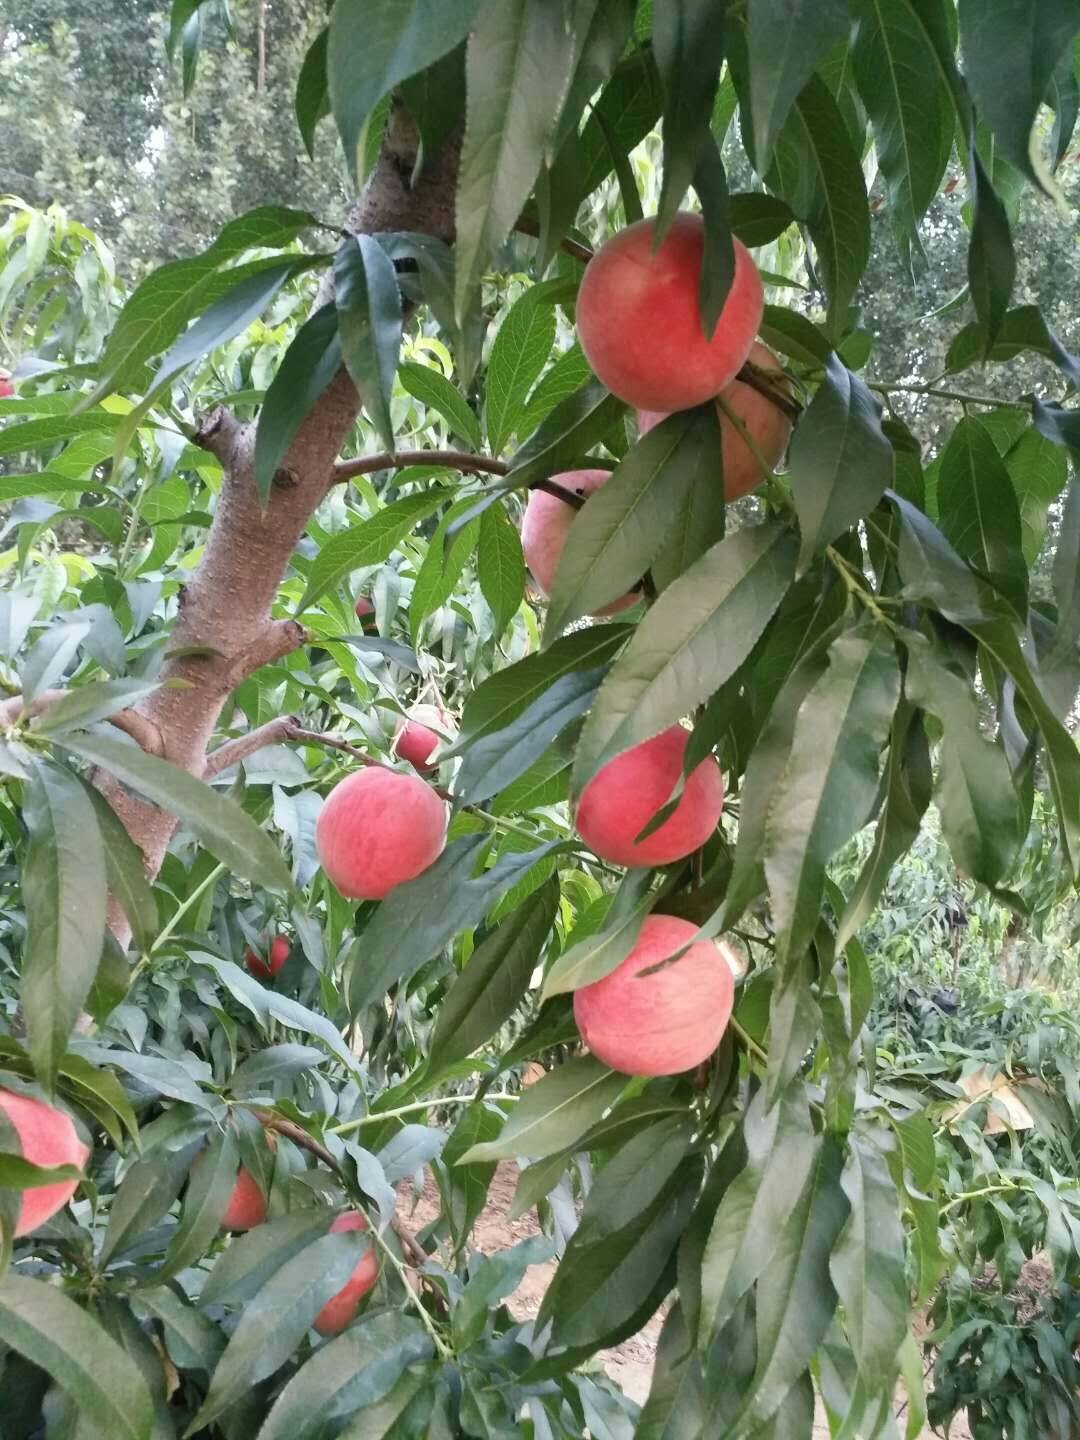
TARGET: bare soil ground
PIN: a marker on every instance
(630, 1364)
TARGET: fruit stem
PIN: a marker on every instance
(758, 379)
(349, 1125)
(748, 1041)
(886, 387)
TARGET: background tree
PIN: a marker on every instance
(191, 671)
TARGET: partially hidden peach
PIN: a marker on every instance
(247, 1203)
(766, 423)
(46, 1137)
(7, 389)
(274, 962)
(414, 738)
(378, 829)
(365, 612)
(666, 1022)
(547, 523)
(640, 326)
(623, 796)
(340, 1309)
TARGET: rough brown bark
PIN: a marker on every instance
(225, 608)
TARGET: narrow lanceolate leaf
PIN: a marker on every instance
(276, 1320)
(375, 44)
(43, 1324)
(785, 41)
(217, 822)
(979, 513)
(520, 352)
(908, 781)
(243, 1269)
(486, 993)
(904, 68)
(932, 571)
(841, 460)
(308, 366)
(613, 540)
(991, 257)
(312, 99)
(125, 871)
(369, 324)
(868, 1264)
(817, 171)
(567, 434)
(431, 388)
(416, 920)
(208, 1193)
(1011, 49)
(693, 639)
(88, 704)
(230, 316)
(361, 1371)
(555, 1112)
(980, 812)
(63, 889)
(602, 952)
(688, 44)
(828, 787)
(500, 566)
(517, 68)
(367, 543)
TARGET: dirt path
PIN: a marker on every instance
(630, 1364)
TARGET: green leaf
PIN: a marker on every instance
(908, 781)
(521, 349)
(933, 572)
(991, 257)
(794, 335)
(1022, 328)
(554, 1112)
(906, 74)
(43, 1324)
(417, 919)
(623, 526)
(1038, 470)
(494, 1277)
(367, 543)
(377, 645)
(841, 461)
(242, 1270)
(87, 704)
(1011, 49)
(817, 171)
(63, 890)
(275, 1320)
(258, 1073)
(757, 218)
(312, 100)
(632, 1219)
(868, 1264)
(785, 41)
(376, 44)
(500, 566)
(431, 388)
(442, 566)
(565, 436)
(230, 316)
(208, 1193)
(495, 979)
(345, 1377)
(267, 1003)
(216, 821)
(979, 513)
(688, 46)
(829, 783)
(125, 872)
(627, 110)
(692, 640)
(516, 61)
(369, 325)
(307, 368)
(980, 812)
(500, 699)
(435, 98)
(603, 951)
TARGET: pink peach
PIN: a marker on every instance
(340, 1309)
(47, 1137)
(546, 525)
(378, 829)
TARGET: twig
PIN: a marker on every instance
(143, 731)
(375, 1116)
(448, 459)
(962, 396)
(233, 751)
(525, 226)
(731, 414)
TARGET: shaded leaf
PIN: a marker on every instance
(785, 41)
(979, 513)
(431, 388)
(520, 352)
(554, 1112)
(307, 367)
(688, 46)
(991, 257)
(369, 325)
(367, 543)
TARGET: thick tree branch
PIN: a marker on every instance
(274, 732)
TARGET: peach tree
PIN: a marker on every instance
(275, 499)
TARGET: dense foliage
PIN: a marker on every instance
(878, 645)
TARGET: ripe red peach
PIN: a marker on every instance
(640, 326)
(247, 1203)
(378, 829)
(767, 424)
(7, 389)
(546, 525)
(414, 738)
(666, 1022)
(274, 962)
(623, 796)
(340, 1309)
(46, 1137)
(365, 612)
